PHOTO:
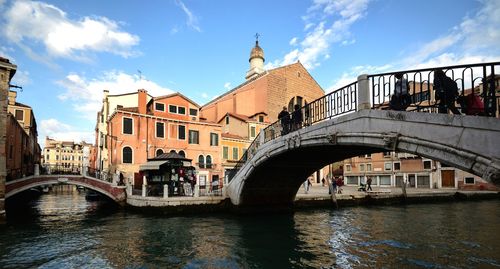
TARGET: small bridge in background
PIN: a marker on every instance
(354, 120)
(80, 176)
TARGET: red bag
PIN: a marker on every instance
(475, 105)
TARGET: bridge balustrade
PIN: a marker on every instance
(482, 79)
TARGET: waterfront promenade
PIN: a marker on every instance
(318, 194)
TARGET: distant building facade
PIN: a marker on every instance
(66, 154)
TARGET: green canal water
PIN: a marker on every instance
(63, 230)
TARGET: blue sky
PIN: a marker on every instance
(68, 52)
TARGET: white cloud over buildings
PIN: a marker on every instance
(29, 23)
(86, 94)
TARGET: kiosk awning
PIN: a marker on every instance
(152, 165)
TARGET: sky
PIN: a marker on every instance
(68, 52)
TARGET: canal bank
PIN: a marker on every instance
(317, 196)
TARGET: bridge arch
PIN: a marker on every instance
(116, 194)
(276, 170)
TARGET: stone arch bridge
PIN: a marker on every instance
(354, 120)
(278, 168)
(115, 193)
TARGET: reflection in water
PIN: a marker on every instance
(62, 230)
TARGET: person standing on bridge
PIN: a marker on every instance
(369, 184)
(446, 91)
(400, 100)
(284, 117)
(297, 118)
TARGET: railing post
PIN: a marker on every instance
(37, 169)
(144, 182)
(165, 191)
(197, 190)
(363, 92)
(129, 189)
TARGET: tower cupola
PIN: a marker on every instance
(256, 60)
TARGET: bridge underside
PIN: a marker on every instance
(277, 181)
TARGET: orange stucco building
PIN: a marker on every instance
(159, 125)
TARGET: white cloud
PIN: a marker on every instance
(63, 37)
(227, 85)
(322, 32)
(192, 20)
(293, 41)
(86, 94)
(61, 131)
(204, 95)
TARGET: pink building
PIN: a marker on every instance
(160, 125)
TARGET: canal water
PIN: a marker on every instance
(63, 230)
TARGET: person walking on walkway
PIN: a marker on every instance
(284, 117)
(369, 184)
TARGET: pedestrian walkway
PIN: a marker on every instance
(319, 192)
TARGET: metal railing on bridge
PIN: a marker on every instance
(58, 169)
(481, 79)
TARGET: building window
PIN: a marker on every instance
(387, 154)
(469, 180)
(182, 132)
(214, 139)
(201, 161)
(127, 126)
(209, 161)
(427, 164)
(160, 129)
(193, 112)
(252, 131)
(194, 137)
(225, 152)
(235, 153)
(127, 155)
(227, 120)
(19, 115)
(348, 167)
(181, 110)
(362, 167)
(368, 167)
(385, 180)
(182, 153)
(159, 152)
(261, 118)
(159, 107)
(387, 166)
(45, 158)
(397, 166)
(368, 156)
(172, 109)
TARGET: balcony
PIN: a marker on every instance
(206, 165)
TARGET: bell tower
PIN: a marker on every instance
(256, 60)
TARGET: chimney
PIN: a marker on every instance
(142, 98)
(12, 97)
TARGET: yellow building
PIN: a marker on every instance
(66, 154)
(238, 132)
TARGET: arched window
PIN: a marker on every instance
(182, 153)
(201, 161)
(209, 161)
(127, 155)
(173, 151)
(159, 152)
